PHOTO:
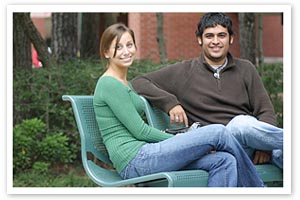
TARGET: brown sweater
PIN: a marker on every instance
(207, 99)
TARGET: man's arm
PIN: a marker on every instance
(161, 87)
(157, 96)
(258, 97)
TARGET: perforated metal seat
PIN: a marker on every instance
(91, 142)
(270, 174)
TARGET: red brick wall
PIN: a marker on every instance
(179, 31)
(144, 27)
(181, 42)
(40, 24)
(272, 36)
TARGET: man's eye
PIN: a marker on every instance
(222, 35)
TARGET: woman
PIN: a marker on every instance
(137, 149)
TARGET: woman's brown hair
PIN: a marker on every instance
(112, 32)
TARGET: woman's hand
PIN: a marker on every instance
(178, 116)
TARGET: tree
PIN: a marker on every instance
(247, 36)
(35, 38)
(64, 43)
(90, 35)
(110, 18)
(21, 43)
(260, 43)
(160, 38)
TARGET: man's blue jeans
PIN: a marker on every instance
(230, 166)
(254, 134)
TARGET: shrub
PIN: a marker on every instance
(37, 94)
(34, 148)
(272, 77)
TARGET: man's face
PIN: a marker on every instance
(215, 44)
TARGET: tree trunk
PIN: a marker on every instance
(21, 44)
(35, 37)
(64, 41)
(90, 35)
(160, 38)
(247, 36)
(110, 18)
(260, 41)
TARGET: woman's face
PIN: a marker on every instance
(125, 51)
(215, 44)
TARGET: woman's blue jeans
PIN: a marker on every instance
(254, 134)
(229, 166)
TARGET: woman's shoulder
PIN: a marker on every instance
(109, 83)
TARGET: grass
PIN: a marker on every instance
(71, 176)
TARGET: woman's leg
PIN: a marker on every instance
(253, 134)
(177, 152)
(221, 166)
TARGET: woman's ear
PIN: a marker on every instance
(106, 54)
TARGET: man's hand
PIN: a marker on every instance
(178, 116)
(261, 157)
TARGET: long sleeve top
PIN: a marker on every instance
(118, 111)
(238, 89)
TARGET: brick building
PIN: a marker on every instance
(179, 32)
(181, 43)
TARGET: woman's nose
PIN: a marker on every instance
(125, 50)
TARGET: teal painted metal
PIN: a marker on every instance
(91, 143)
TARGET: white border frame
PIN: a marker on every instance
(286, 9)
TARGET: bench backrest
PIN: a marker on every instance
(91, 139)
(156, 117)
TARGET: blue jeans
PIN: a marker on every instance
(228, 167)
(254, 134)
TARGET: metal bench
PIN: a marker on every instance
(91, 143)
(270, 174)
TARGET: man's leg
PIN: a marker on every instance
(253, 134)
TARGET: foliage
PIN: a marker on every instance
(44, 125)
(34, 148)
(272, 76)
(37, 96)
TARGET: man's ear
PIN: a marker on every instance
(231, 40)
(199, 41)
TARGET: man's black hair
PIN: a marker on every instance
(212, 20)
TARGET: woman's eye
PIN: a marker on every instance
(119, 47)
(129, 45)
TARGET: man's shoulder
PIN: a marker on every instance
(243, 64)
(242, 61)
(188, 63)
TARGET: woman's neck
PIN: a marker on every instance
(120, 74)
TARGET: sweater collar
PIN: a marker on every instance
(230, 63)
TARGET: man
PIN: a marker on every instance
(217, 88)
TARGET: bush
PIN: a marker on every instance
(272, 77)
(34, 148)
(37, 95)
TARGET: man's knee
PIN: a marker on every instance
(240, 124)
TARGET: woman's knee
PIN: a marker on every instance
(226, 159)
